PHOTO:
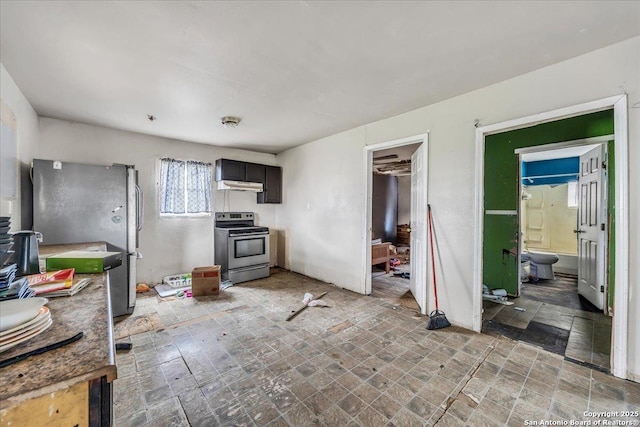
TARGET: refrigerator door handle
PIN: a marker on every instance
(139, 207)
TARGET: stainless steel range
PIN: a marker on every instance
(241, 248)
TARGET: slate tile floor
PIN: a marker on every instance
(234, 361)
(392, 287)
(557, 319)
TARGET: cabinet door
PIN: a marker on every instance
(231, 170)
(255, 173)
(273, 186)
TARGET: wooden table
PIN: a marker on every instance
(71, 385)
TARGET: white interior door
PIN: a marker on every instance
(591, 228)
(418, 254)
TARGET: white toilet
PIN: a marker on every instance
(540, 266)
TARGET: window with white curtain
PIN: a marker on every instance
(185, 187)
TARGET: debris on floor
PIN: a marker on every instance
(499, 296)
(308, 301)
(340, 327)
(226, 284)
(184, 294)
(519, 309)
(123, 346)
(124, 327)
(178, 280)
(403, 274)
(142, 287)
(168, 290)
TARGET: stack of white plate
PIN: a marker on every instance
(21, 320)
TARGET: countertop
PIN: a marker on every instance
(91, 357)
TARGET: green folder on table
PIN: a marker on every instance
(84, 261)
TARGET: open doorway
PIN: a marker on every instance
(563, 218)
(498, 242)
(396, 163)
(391, 225)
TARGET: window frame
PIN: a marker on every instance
(576, 200)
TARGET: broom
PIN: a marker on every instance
(437, 319)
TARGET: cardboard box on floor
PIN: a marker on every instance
(205, 281)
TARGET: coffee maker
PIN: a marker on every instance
(25, 245)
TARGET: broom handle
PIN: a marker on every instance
(433, 261)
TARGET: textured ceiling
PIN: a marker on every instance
(294, 71)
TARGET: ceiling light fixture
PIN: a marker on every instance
(230, 122)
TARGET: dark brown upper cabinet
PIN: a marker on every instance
(255, 173)
(231, 170)
(269, 176)
(272, 186)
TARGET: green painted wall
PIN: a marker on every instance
(501, 187)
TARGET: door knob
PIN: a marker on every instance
(579, 231)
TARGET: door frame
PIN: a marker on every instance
(621, 148)
(368, 180)
(596, 140)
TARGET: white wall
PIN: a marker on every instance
(323, 209)
(168, 245)
(27, 138)
(326, 241)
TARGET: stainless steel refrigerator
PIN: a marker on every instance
(77, 203)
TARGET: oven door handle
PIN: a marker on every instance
(263, 233)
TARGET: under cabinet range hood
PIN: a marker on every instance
(256, 187)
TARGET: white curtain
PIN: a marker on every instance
(198, 187)
(185, 187)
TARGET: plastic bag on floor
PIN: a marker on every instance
(308, 300)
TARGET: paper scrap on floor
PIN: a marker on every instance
(168, 291)
(499, 296)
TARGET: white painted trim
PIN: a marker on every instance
(588, 144)
(620, 320)
(417, 139)
(555, 175)
(562, 113)
(479, 228)
(519, 234)
(368, 181)
(366, 223)
(565, 144)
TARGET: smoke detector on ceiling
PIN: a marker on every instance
(230, 122)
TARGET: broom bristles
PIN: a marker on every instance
(437, 320)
